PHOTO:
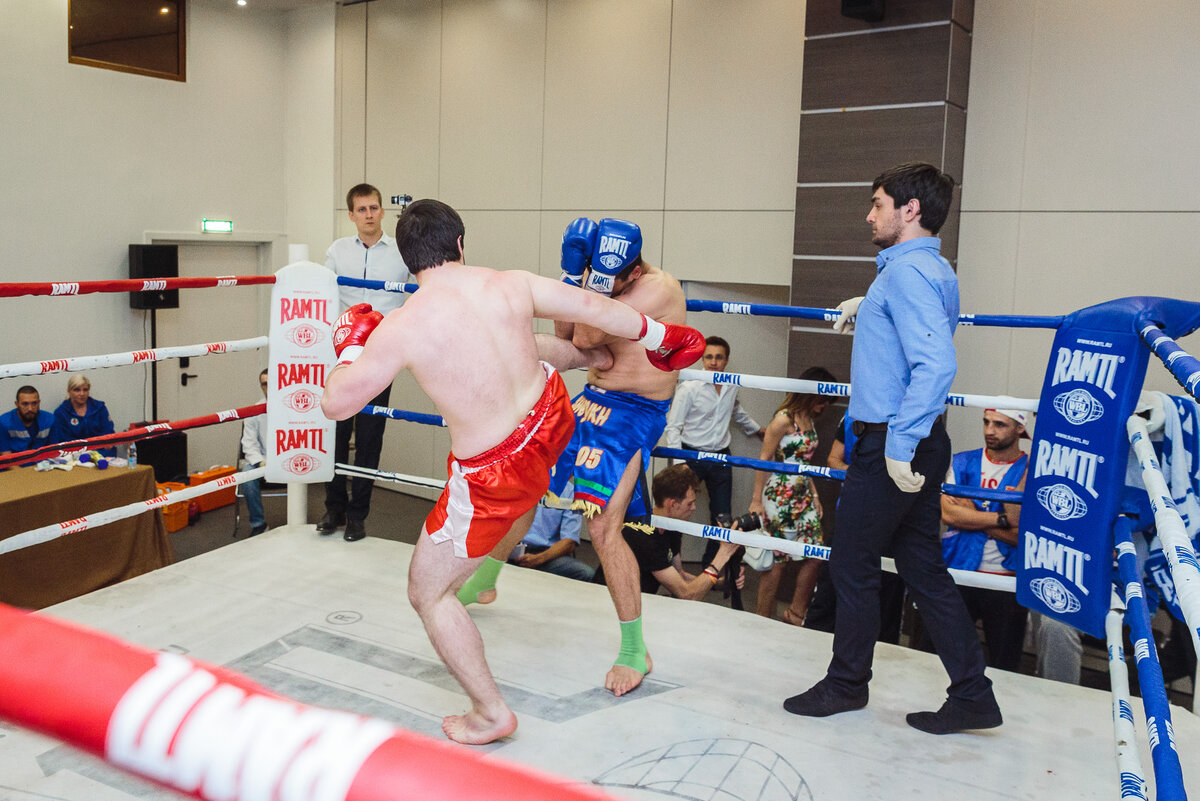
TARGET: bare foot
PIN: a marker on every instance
(792, 618)
(474, 729)
(621, 679)
(485, 597)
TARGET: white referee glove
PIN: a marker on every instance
(904, 477)
(845, 323)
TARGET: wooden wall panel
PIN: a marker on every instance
(825, 283)
(825, 16)
(858, 145)
(885, 68)
(831, 221)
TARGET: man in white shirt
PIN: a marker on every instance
(699, 421)
(370, 255)
(254, 449)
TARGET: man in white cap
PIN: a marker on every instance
(980, 536)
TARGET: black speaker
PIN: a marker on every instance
(154, 261)
(866, 10)
(167, 454)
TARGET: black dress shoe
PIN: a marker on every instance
(254, 532)
(954, 717)
(821, 701)
(330, 523)
(355, 530)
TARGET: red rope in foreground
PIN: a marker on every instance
(214, 734)
(132, 435)
(129, 285)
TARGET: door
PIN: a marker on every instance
(220, 381)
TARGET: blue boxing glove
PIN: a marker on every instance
(579, 241)
(618, 245)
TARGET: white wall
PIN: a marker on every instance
(91, 160)
(1079, 184)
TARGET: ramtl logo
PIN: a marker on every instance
(727, 378)
(1046, 553)
(735, 308)
(304, 373)
(182, 725)
(1078, 406)
(1088, 367)
(1070, 463)
(612, 251)
(307, 308)
(293, 438)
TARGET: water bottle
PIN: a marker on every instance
(133, 454)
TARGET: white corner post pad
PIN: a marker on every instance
(300, 439)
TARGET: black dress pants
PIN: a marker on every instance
(874, 516)
(367, 430)
(718, 480)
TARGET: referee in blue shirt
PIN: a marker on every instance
(901, 368)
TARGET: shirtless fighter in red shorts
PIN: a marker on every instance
(467, 337)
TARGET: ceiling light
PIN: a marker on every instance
(241, 2)
(164, 10)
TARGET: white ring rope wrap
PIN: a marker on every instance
(47, 533)
(837, 389)
(967, 578)
(1172, 532)
(1129, 760)
(78, 363)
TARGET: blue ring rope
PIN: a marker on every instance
(771, 310)
(1168, 774)
(1184, 366)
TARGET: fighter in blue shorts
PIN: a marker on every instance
(619, 417)
(611, 428)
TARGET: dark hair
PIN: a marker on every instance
(673, 484)
(362, 190)
(427, 234)
(264, 372)
(720, 343)
(802, 403)
(628, 271)
(26, 390)
(933, 188)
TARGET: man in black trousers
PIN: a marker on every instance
(902, 366)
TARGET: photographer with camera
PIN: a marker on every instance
(788, 504)
(674, 494)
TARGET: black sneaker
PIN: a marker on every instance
(955, 717)
(254, 532)
(821, 701)
(355, 530)
(330, 523)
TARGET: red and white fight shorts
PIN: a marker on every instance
(487, 493)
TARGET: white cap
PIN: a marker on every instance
(1021, 417)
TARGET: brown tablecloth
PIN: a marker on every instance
(75, 564)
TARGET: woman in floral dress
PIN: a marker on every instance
(788, 504)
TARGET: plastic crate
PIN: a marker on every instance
(214, 500)
(175, 515)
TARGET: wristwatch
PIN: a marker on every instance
(1002, 519)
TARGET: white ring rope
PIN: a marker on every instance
(967, 578)
(398, 478)
(77, 363)
(837, 389)
(47, 533)
(1129, 760)
(1172, 532)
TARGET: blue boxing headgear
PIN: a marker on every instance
(618, 245)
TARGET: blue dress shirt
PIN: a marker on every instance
(551, 525)
(903, 361)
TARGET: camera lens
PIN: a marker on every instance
(749, 521)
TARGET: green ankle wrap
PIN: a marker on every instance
(633, 648)
(482, 580)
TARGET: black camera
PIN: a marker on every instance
(401, 200)
(749, 521)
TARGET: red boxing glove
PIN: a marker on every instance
(670, 347)
(352, 329)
